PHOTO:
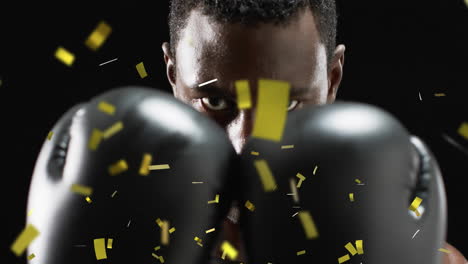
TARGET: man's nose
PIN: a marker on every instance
(240, 129)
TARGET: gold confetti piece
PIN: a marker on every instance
(360, 250)
(159, 167)
(210, 230)
(444, 250)
(216, 200)
(30, 212)
(197, 239)
(302, 252)
(165, 233)
(415, 204)
(114, 129)
(463, 130)
(118, 167)
(200, 244)
(273, 100)
(250, 206)
(439, 94)
(88, 199)
(160, 258)
(113, 194)
(64, 56)
(98, 36)
(31, 256)
(351, 248)
(100, 248)
(159, 222)
(157, 248)
(49, 136)
(95, 139)
(287, 147)
(109, 243)
(301, 179)
(351, 197)
(315, 170)
(24, 239)
(81, 189)
(172, 230)
(141, 70)
(268, 181)
(229, 250)
(254, 153)
(308, 225)
(243, 94)
(106, 108)
(357, 181)
(145, 163)
(197, 182)
(293, 186)
(343, 258)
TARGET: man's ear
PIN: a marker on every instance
(170, 66)
(335, 73)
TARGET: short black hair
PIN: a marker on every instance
(251, 12)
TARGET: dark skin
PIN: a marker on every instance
(210, 50)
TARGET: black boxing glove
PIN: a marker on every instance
(105, 150)
(309, 216)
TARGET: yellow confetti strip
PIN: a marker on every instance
(254, 153)
(145, 163)
(243, 94)
(250, 206)
(157, 248)
(49, 136)
(351, 248)
(308, 225)
(118, 167)
(301, 179)
(229, 250)
(172, 230)
(30, 212)
(439, 94)
(31, 256)
(343, 258)
(444, 250)
(165, 233)
(268, 181)
(463, 130)
(160, 258)
(113, 194)
(109, 243)
(114, 129)
(351, 197)
(200, 244)
(95, 139)
(357, 181)
(98, 36)
(302, 252)
(100, 248)
(64, 56)
(159, 167)
(287, 147)
(197, 239)
(210, 230)
(24, 239)
(159, 222)
(141, 70)
(216, 200)
(315, 170)
(293, 186)
(88, 199)
(197, 182)
(106, 108)
(359, 247)
(415, 204)
(273, 100)
(81, 189)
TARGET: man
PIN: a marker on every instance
(227, 40)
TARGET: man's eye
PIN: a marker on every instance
(215, 103)
(293, 104)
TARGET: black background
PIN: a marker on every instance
(395, 50)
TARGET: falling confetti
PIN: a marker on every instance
(268, 181)
(31, 256)
(98, 36)
(88, 199)
(159, 167)
(49, 136)
(343, 258)
(114, 129)
(249, 205)
(293, 186)
(165, 233)
(208, 82)
(415, 204)
(118, 167)
(308, 225)
(357, 181)
(109, 243)
(100, 248)
(113, 194)
(444, 250)
(287, 147)
(359, 247)
(210, 230)
(254, 153)
(415, 234)
(463, 130)
(23, 240)
(145, 163)
(141, 70)
(301, 179)
(216, 200)
(172, 230)
(95, 139)
(228, 250)
(351, 248)
(81, 189)
(273, 99)
(107, 108)
(243, 94)
(315, 170)
(439, 94)
(197, 182)
(351, 197)
(104, 63)
(302, 252)
(64, 56)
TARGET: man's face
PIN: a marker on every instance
(209, 50)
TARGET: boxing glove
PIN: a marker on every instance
(342, 191)
(132, 176)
